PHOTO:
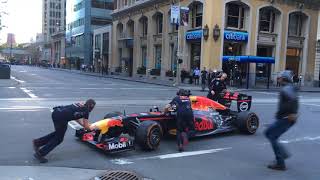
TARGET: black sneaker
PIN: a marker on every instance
(278, 167)
(40, 158)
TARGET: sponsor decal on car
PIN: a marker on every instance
(203, 125)
(113, 146)
(119, 145)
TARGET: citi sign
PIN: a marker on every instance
(236, 36)
(194, 35)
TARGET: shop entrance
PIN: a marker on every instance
(263, 70)
(293, 60)
(236, 70)
(195, 56)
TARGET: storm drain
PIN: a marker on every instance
(118, 175)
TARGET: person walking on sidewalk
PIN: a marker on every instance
(61, 115)
(286, 117)
(196, 76)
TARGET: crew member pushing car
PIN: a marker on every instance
(61, 115)
(217, 86)
(182, 105)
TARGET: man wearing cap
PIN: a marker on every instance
(217, 86)
(61, 115)
(286, 117)
(181, 104)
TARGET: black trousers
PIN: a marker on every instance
(184, 125)
(52, 140)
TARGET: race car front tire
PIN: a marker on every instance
(148, 135)
(247, 122)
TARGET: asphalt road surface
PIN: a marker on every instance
(25, 109)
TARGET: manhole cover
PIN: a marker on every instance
(118, 175)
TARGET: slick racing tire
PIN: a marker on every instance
(112, 114)
(149, 135)
(247, 122)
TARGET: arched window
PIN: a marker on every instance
(196, 14)
(235, 15)
(296, 23)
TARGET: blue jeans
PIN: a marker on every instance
(273, 133)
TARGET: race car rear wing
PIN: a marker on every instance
(243, 100)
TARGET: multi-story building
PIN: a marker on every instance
(251, 40)
(83, 16)
(53, 17)
(53, 23)
(102, 48)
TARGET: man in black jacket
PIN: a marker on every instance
(286, 117)
(61, 115)
(217, 86)
(182, 105)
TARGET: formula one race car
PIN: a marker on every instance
(118, 132)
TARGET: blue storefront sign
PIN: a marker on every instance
(250, 59)
(236, 36)
(194, 35)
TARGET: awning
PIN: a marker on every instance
(251, 59)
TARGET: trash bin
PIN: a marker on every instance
(5, 71)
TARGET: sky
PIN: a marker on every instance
(24, 19)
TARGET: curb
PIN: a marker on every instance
(112, 77)
(172, 85)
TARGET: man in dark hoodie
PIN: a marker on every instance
(61, 115)
(286, 117)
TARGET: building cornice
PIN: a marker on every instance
(139, 8)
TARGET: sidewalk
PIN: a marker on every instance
(47, 173)
(191, 87)
(8, 83)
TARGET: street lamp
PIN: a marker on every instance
(216, 32)
(206, 32)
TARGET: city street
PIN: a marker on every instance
(25, 109)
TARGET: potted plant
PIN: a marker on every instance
(141, 70)
(171, 73)
(118, 69)
(155, 72)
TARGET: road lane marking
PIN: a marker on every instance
(201, 152)
(14, 78)
(170, 156)
(307, 138)
(23, 108)
(308, 104)
(29, 92)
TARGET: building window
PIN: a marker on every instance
(97, 41)
(100, 21)
(102, 4)
(157, 57)
(144, 56)
(235, 16)
(197, 13)
(295, 24)
(105, 47)
(159, 20)
(78, 6)
(267, 20)
(144, 27)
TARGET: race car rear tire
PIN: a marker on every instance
(112, 114)
(247, 122)
(148, 135)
